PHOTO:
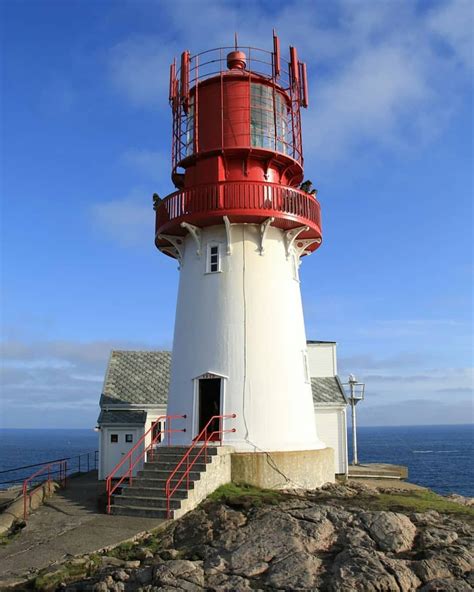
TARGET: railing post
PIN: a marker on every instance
(24, 501)
(130, 470)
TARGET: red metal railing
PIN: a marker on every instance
(201, 443)
(260, 65)
(129, 457)
(240, 198)
(47, 469)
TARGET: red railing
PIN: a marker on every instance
(200, 443)
(62, 464)
(240, 198)
(129, 457)
(260, 65)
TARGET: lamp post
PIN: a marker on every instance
(356, 394)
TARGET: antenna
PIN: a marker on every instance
(236, 41)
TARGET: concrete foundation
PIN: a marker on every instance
(305, 469)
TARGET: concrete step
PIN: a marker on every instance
(171, 466)
(180, 493)
(165, 474)
(159, 456)
(139, 511)
(146, 502)
(161, 481)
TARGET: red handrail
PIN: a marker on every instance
(203, 438)
(47, 468)
(131, 464)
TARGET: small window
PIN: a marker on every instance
(114, 438)
(305, 367)
(128, 438)
(213, 258)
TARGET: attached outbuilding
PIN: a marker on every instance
(135, 395)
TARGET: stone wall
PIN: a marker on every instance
(305, 469)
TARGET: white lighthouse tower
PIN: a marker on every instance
(239, 225)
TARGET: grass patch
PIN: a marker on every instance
(49, 580)
(409, 501)
(125, 551)
(243, 495)
(422, 501)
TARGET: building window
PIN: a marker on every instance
(305, 367)
(129, 438)
(268, 118)
(213, 264)
(114, 438)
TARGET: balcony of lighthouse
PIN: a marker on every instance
(237, 113)
(239, 202)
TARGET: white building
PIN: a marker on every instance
(135, 394)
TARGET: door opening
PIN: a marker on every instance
(209, 405)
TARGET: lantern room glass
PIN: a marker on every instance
(268, 108)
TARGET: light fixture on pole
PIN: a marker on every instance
(356, 394)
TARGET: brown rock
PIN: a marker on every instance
(359, 569)
(392, 532)
(295, 572)
(436, 537)
(446, 585)
(225, 583)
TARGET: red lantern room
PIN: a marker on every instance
(237, 145)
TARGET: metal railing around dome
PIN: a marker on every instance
(212, 63)
(255, 198)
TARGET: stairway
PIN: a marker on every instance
(147, 494)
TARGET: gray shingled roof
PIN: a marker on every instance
(327, 391)
(142, 378)
(137, 377)
(119, 417)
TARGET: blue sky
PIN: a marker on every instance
(86, 141)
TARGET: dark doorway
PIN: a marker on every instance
(209, 405)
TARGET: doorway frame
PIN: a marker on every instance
(204, 376)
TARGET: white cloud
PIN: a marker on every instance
(128, 221)
(40, 380)
(453, 23)
(154, 164)
(378, 69)
(138, 68)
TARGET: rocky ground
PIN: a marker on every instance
(338, 538)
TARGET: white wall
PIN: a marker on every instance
(331, 426)
(322, 359)
(246, 325)
(110, 454)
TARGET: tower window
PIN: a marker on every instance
(213, 264)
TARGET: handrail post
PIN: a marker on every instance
(24, 500)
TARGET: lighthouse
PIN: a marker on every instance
(239, 224)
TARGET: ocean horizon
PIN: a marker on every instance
(440, 457)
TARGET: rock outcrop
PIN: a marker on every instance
(334, 540)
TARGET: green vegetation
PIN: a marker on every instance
(243, 495)
(420, 501)
(48, 580)
(125, 551)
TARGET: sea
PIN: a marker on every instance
(438, 457)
